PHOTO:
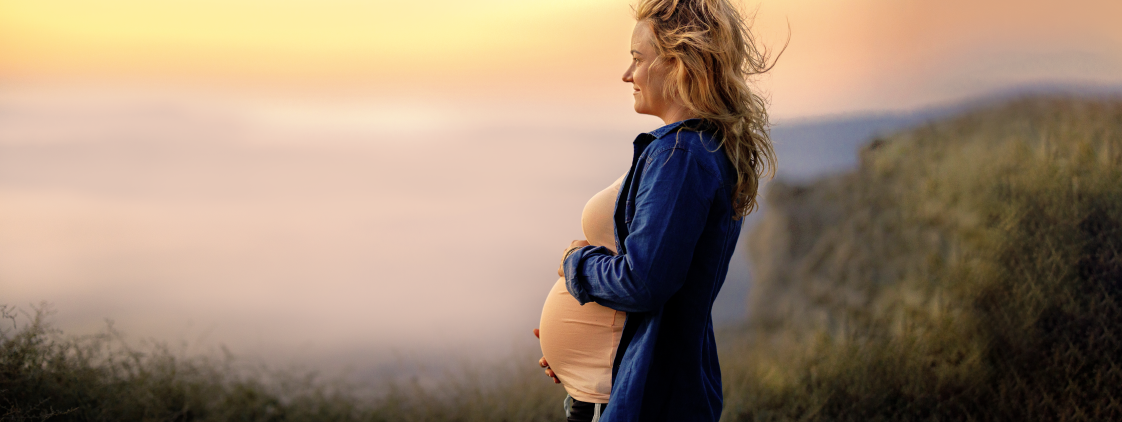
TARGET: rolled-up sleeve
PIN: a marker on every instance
(671, 207)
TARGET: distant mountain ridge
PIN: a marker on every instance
(816, 146)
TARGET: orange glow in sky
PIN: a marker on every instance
(843, 57)
(427, 46)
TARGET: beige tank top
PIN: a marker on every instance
(579, 342)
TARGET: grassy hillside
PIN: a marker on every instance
(45, 375)
(967, 270)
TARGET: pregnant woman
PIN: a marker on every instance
(674, 220)
(579, 342)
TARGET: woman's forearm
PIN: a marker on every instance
(671, 209)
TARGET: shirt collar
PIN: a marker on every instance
(662, 131)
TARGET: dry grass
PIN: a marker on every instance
(968, 270)
(45, 375)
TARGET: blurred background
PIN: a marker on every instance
(341, 183)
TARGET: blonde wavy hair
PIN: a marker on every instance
(711, 53)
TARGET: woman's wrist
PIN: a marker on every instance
(569, 252)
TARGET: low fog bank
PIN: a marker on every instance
(296, 242)
(347, 236)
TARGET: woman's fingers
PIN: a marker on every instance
(575, 244)
(545, 364)
(564, 254)
(578, 243)
(549, 372)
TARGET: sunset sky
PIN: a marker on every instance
(342, 179)
(843, 56)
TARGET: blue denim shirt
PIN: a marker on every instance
(675, 234)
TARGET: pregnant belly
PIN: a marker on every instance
(580, 343)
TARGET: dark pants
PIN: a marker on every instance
(579, 411)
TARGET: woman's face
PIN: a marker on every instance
(647, 80)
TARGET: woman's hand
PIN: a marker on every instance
(544, 364)
(564, 254)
